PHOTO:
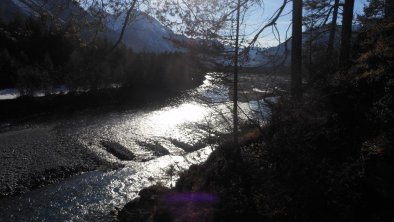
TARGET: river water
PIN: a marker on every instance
(94, 196)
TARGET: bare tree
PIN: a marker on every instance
(197, 18)
(271, 22)
(236, 57)
(125, 23)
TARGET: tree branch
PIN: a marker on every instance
(273, 19)
(125, 23)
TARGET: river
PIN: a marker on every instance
(184, 128)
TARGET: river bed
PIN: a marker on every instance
(161, 141)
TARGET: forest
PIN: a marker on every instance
(37, 55)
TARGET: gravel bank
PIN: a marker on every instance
(38, 156)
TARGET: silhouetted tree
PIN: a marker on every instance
(236, 58)
(320, 18)
(333, 29)
(346, 38)
(296, 52)
(389, 10)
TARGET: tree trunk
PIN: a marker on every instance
(333, 29)
(235, 99)
(296, 52)
(310, 47)
(344, 57)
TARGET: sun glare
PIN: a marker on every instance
(188, 112)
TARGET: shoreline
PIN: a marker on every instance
(122, 98)
(37, 157)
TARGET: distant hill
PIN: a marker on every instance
(145, 34)
(281, 54)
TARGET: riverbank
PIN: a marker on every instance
(35, 157)
(116, 98)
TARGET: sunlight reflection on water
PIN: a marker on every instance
(167, 119)
(91, 196)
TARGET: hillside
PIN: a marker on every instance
(144, 34)
(281, 54)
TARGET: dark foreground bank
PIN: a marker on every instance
(302, 169)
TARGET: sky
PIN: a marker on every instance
(256, 16)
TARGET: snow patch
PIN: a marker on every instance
(9, 94)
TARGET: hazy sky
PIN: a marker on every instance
(256, 16)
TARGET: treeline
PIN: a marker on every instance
(37, 55)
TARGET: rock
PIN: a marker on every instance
(118, 150)
(187, 147)
(155, 147)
